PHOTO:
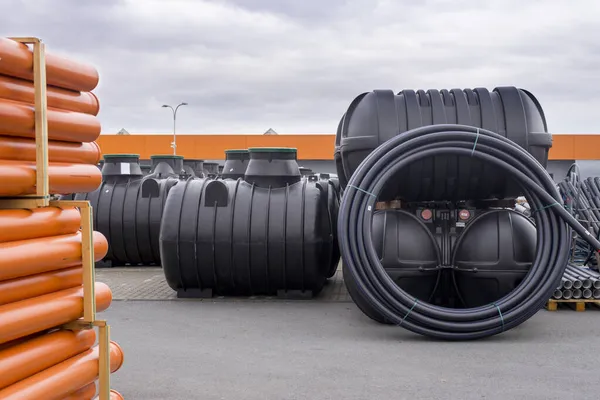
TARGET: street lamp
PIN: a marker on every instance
(174, 142)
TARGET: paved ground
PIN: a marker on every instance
(148, 283)
(287, 350)
(267, 348)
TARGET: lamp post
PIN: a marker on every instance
(174, 143)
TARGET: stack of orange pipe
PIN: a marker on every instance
(41, 267)
(72, 123)
(41, 289)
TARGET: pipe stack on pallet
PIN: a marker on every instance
(47, 350)
(582, 199)
(578, 283)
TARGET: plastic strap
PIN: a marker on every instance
(409, 311)
(548, 206)
(475, 144)
(501, 317)
(362, 190)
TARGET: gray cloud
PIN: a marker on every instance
(247, 65)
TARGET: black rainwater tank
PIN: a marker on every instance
(270, 234)
(493, 255)
(377, 116)
(409, 254)
(130, 222)
(272, 166)
(306, 171)
(236, 162)
(193, 167)
(211, 169)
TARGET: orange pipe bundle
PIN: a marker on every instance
(34, 256)
(57, 382)
(16, 59)
(26, 317)
(21, 90)
(24, 224)
(18, 178)
(85, 393)
(26, 359)
(18, 119)
(38, 285)
(23, 149)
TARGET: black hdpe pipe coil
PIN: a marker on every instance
(398, 307)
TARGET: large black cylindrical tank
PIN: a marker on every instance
(232, 237)
(236, 162)
(377, 116)
(493, 255)
(129, 220)
(409, 254)
(193, 167)
(272, 167)
(211, 169)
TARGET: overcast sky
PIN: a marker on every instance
(295, 65)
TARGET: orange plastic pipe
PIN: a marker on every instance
(62, 99)
(18, 178)
(85, 393)
(34, 256)
(44, 312)
(24, 224)
(38, 285)
(60, 380)
(28, 358)
(114, 395)
(16, 59)
(17, 119)
(23, 149)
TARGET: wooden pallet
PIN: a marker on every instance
(580, 304)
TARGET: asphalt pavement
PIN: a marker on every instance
(287, 350)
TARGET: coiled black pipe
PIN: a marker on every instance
(377, 288)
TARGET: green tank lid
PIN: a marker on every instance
(236, 151)
(272, 150)
(105, 156)
(167, 156)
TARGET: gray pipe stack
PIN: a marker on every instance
(578, 283)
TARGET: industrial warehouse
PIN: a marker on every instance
(435, 244)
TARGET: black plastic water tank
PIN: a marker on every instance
(305, 171)
(236, 162)
(272, 167)
(166, 165)
(211, 169)
(409, 254)
(375, 117)
(145, 169)
(193, 167)
(130, 222)
(493, 255)
(232, 237)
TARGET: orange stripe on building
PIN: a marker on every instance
(310, 147)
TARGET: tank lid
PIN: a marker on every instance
(110, 156)
(236, 151)
(166, 157)
(272, 150)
